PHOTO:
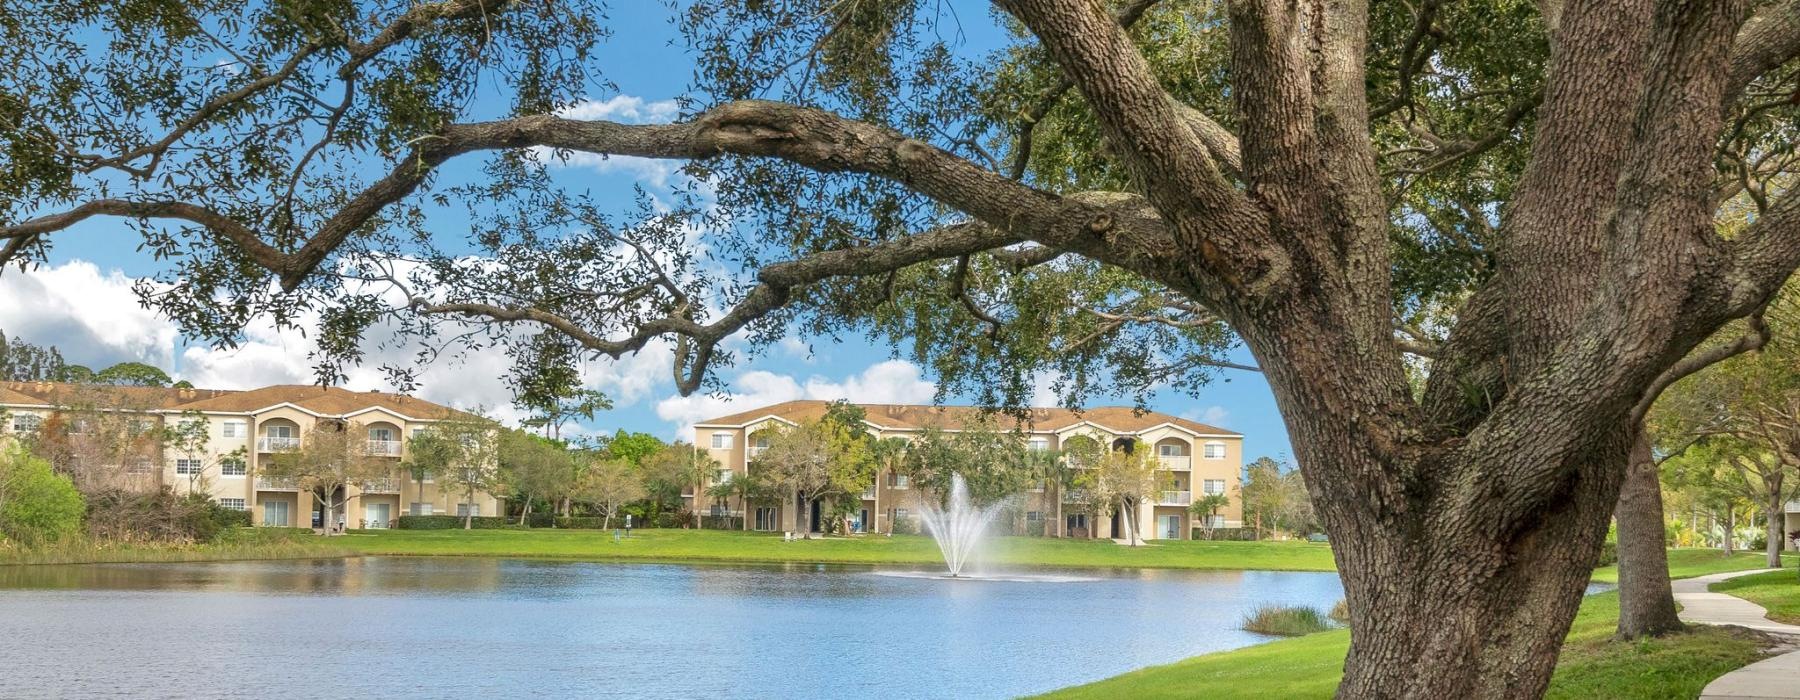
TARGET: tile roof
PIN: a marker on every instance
(329, 401)
(1119, 419)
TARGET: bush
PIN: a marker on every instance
(40, 505)
(1340, 613)
(1286, 622)
(453, 522)
(905, 526)
(159, 516)
(1226, 534)
(722, 522)
(1609, 554)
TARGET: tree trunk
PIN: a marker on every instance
(1777, 523)
(469, 511)
(329, 511)
(807, 518)
(1730, 529)
(525, 509)
(1646, 603)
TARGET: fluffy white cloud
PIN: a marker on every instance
(630, 109)
(93, 317)
(1211, 415)
(890, 381)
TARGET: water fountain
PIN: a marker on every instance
(959, 527)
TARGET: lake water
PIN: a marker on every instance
(444, 627)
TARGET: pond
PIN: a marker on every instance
(440, 627)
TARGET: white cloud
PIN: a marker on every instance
(630, 109)
(890, 381)
(1211, 415)
(92, 317)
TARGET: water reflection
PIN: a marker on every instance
(453, 626)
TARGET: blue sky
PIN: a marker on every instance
(81, 303)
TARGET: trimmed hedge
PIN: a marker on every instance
(721, 522)
(452, 522)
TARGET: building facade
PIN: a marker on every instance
(1193, 459)
(111, 437)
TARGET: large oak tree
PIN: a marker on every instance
(1467, 243)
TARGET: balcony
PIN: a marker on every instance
(277, 483)
(382, 448)
(1180, 463)
(380, 486)
(1175, 498)
(1076, 496)
(1793, 507)
(868, 494)
(277, 444)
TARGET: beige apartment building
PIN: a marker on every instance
(1195, 459)
(244, 430)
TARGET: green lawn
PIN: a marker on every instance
(1779, 591)
(1592, 665)
(1688, 563)
(724, 546)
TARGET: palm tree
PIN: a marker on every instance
(889, 454)
(746, 488)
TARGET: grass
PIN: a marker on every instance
(1286, 621)
(1688, 563)
(241, 544)
(1592, 665)
(729, 546)
(1778, 591)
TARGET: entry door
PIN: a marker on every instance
(376, 514)
(275, 513)
(1171, 526)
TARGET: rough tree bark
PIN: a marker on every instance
(1775, 518)
(1646, 602)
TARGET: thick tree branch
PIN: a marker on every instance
(1769, 40)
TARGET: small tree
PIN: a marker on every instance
(608, 483)
(533, 466)
(331, 458)
(1205, 508)
(474, 459)
(817, 460)
(1121, 481)
(680, 466)
(37, 505)
(751, 489)
(189, 438)
(430, 454)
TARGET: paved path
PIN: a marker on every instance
(1769, 679)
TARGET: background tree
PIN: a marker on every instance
(476, 462)
(1122, 482)
(37, 505)
(331, 458)
(430, 454)
(24, 362)
(132, 374)
(188, 436)
(1081, 455)
(548, 385)
(751, 489)
(632, 447)
(608, 483)
(1117, 195)
(1205, 508)
(533, 467)
(816, 461)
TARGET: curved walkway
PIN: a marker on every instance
(1770, 679)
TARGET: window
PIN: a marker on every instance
(466, 509)
(231, 466)
(899, 481)
(27, 422)
(139, 465)
(1076, 521)
(1040, 444)
(1212, 486)
(421, 509)
(1034, 516)
(723, 477)
(234, 503)
(279, 431)
(233, 429)
(1215, 521)
(188, 466)
(138, 426)
(381, 434)
(1169, 450)
(900, 514)
(721, 441)
(1215, 450)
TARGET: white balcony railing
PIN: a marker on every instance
(277, 483)
(1179, 463)
(383, 448)
(277, 444)
(868, 494)
(1176, 498)
(1075, 496)
(380, 486)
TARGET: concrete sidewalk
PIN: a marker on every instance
(1769, 679)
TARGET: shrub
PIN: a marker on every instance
(159, 516)
(454, 522)
(722, 522)
(905, 526)
(1286, 622)
(37, 505)
(1609, 554)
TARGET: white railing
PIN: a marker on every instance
(1075, 496)
(1176, 498)
(753, 452)
(1180, 463)
(383, 448)
(277, 483)
(380, 486)
(277, 444)
(1793, 507)
(868, 494)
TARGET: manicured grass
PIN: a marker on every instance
(1591, 666)
(1778, 591)
(1688, 563)
(728, 546)
(240, 544)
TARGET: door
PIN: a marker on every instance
(275, 514)
(377, 515)
(862, 521)
(1171, 526)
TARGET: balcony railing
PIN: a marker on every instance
(1793, 507)
(383, 448)
(1180, 463)
(277, 444)
(1075, 496)
(1176, 498)
(868, 494)
(277, 483)
(380, 486)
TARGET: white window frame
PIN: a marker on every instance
(1206, 486)
(233, 429)
(1208, 450)
(468, 509)
(234, 503)
(419, 508)
(189, 467)
(1039, 444)
(27, 422)
(721, 441)
(1169, 449)
(233, 467)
